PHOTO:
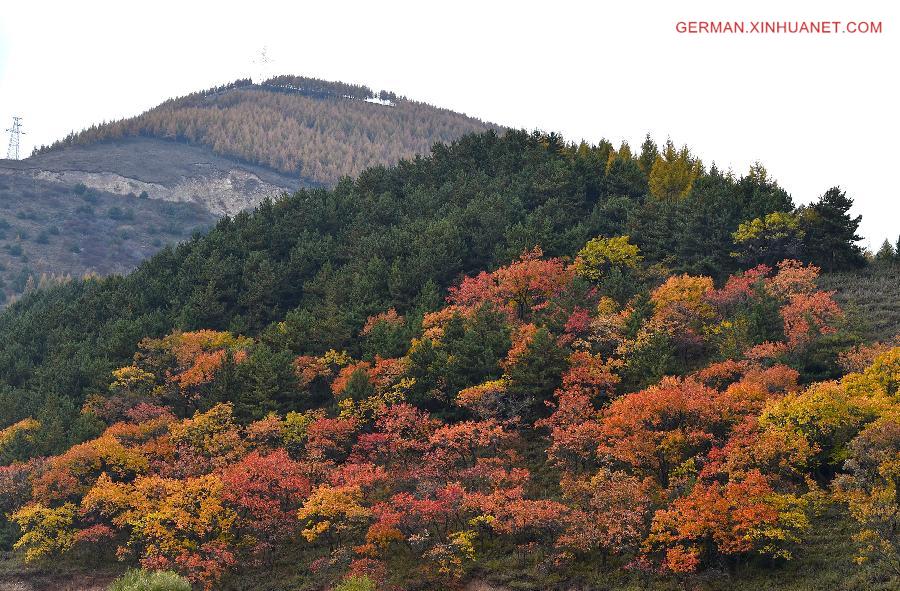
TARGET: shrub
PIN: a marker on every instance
(117, 213)
(173, 229)
(356, 584)
(142, 580)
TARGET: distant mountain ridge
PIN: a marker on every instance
(208, 154)
(304, 127)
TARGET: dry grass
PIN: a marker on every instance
(871, 298)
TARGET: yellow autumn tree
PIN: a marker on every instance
(601, 254)
(673, 173)
(213, 435)
(623, 154)
(332, 511)
(19, 433)
(830, 414)
(683, 298)
(46, 531)
(870, 487)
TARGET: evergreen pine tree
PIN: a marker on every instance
(649, 152)
(831, 232)
(886, 256)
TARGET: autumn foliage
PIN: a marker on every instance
(513, 426)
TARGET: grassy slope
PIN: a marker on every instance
(57, 576)
(823, 561)
(46, 228)
(871, 298)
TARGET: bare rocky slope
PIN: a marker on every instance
(52, 230)
(164, 170)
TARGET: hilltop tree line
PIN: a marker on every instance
(311, 128)
(317, 87)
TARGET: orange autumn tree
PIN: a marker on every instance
(736, 518)
(680, 440)
(522, 288)
(188, 361)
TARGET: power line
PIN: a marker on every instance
(15, 133)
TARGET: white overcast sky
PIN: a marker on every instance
(817, 111)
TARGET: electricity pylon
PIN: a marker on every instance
(15, 133)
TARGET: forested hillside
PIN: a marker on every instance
(306, 271)
(516, 361)
(304, 127)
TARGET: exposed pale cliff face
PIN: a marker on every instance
(221, 192)
(165, 170)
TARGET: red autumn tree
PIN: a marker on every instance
(522, 288)
(265, 491)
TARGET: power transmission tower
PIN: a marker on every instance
(262, 66)
(14, 135)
